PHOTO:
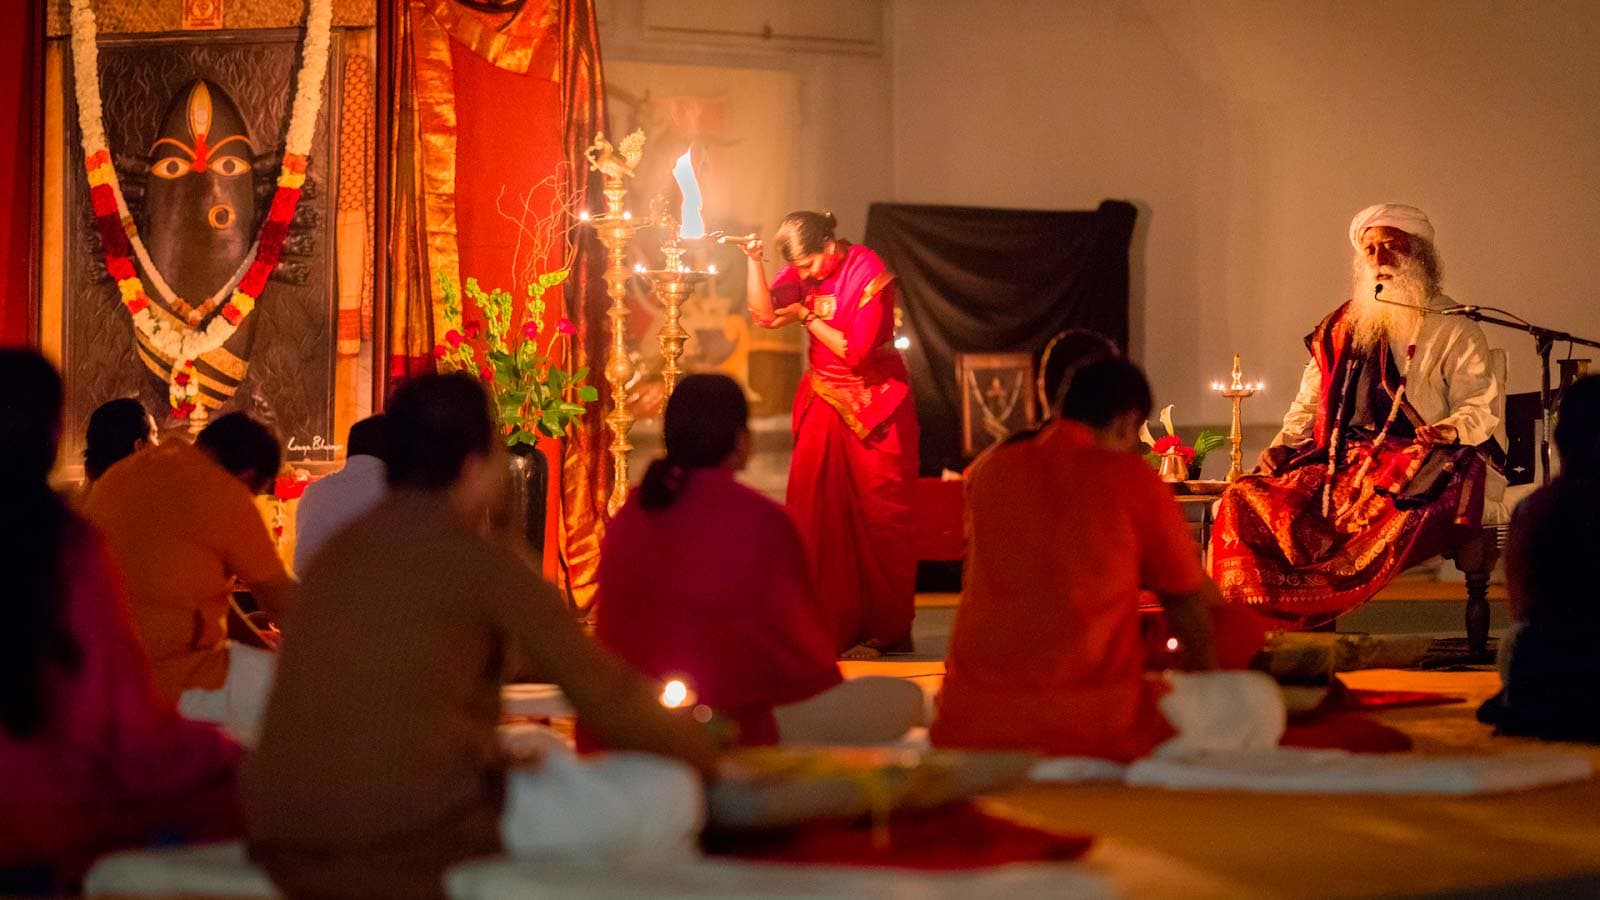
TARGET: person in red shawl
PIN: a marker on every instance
(706, 581)
(1382, 459)
(855, 430)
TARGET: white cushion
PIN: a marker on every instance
(209, 870)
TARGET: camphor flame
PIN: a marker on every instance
(691, 223)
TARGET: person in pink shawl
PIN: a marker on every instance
(94, 759)
(855, 430)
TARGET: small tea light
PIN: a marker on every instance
(639, 267)
(583, 216)
(674, 694)
(711, 269)
(902, 343)
(627, 216)
(1172, 643)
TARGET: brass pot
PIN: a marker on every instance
(1173, 468)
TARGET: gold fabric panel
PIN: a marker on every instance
(507, 41)
(139, 16)
(435, 97)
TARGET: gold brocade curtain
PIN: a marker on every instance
(424, 206)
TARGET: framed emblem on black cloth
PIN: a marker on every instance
(997, 397)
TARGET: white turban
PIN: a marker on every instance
(1409, 219)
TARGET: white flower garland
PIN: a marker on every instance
(175, 339)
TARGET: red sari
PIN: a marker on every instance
(855, 454)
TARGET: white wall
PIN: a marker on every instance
(1248, 133)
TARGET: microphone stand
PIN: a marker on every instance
(1544, 340)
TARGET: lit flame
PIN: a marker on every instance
(627, 216)
(1172, 643)
(902, 343)
(674, 694)
(583, 216)
(639, 267)
(712, 270)
(689, 219)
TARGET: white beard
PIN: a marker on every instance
(1374, 320)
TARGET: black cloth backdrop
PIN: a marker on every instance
(976, 280)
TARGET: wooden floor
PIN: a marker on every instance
(1158, 844)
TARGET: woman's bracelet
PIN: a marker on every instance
(808, 318)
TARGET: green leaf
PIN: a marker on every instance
(580, 375)
(551, 279)
(587, 394)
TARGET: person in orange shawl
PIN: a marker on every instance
(706, 581)
(1382, 461)
(855, 430)
(1066, 526)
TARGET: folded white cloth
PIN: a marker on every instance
(631, 803)
(540, 700)
(1291, 770)
(202, 870)
(1222, 712)
(1076, 770)
(718, 879)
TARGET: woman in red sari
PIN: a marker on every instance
(855, 430)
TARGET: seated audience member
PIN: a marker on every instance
(1067, 525)
(1551, 671)
(116, 429)
(331, 503)
(1067, 352)
(182, 524)
(93, 759)
(704, 580)
(377, 767)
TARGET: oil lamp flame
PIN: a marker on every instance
(691, 224)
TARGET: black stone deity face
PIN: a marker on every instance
(200, 198)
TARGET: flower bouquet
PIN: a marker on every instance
(533, 396)
(1194, 456)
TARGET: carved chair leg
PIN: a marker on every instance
(1478, 615)
(1476, 559)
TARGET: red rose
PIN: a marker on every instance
(453, 338)
(565, 326)
(1168, 443)
(1188, 455)
(530, 329)
(180, 379)
(277, 531)
(183, 410)
(188, 364)
(232, 314)
(120, 267)
(441, 351)
(474, 329)
(486, 373)
(137, 303)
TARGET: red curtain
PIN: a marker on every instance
(19, 72)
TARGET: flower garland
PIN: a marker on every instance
(173, 338)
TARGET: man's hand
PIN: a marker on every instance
(1438, 434)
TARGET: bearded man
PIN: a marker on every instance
(1382, 458)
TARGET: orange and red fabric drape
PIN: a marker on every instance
(490, 107)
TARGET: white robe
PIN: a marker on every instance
(1451, 382)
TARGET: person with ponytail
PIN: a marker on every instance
(706, 581)
(94, 759)
(855, 429)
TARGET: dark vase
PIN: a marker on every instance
(522, 508)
